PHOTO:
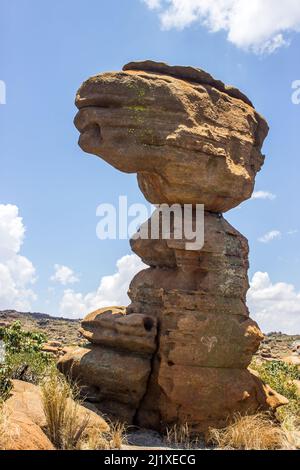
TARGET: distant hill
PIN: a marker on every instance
(55, 328)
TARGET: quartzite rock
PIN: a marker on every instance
(179, 353)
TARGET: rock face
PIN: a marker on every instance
(180, 351)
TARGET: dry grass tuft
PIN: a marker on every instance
(291, 429)
(255, 432)
(179, 436)
(118, 435)
(5, 437)
(114, 439)
(65, 424)
(67, 427)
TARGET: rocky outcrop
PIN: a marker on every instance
(180, 351)
(118, 363)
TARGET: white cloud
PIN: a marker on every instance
(258, 25)
(263, 195)
(153, 4)
(276, 307)
(64, 275)
(270, 236)
(111, 291)
(17, 273)
(293, 232)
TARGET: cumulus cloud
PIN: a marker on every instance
(153, 4)
(64, 275)
(263, 195)
(17, 273)
(260, 25)
(270, 236)
(111, 291)
(276, 307)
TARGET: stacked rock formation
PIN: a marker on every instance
(179, 353)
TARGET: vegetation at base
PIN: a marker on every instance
(68, 427)
(5, 382)
(253, 432)
(281, 376)
(24, 358)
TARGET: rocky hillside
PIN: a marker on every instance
(63, 330)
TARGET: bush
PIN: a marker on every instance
(280, 376)
(29, 367)
(17, 340)
(24, 358)
(5, 382)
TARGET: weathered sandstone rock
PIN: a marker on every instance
(203, 396)
(26, 419)
(112, 328)
(179, 352)
(189, 138)
(24, 434)
(119, 378)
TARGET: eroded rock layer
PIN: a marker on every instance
(179, 353)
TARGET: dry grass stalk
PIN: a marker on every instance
(291, 429)
(253, 432)
(65, 424)
(180, 436)
(114, 439)
(5, 435)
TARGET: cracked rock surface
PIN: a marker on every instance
(179, 353)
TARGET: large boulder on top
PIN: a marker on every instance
(189, 138)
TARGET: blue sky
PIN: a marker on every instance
(46, 50)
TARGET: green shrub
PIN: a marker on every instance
(29, 366)
(5, 382)
(24, 358)
(280, 377)
(17, 340)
